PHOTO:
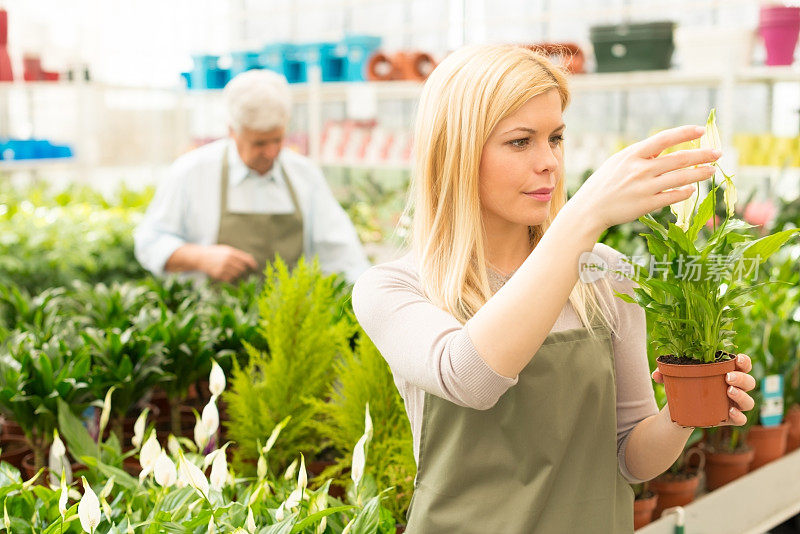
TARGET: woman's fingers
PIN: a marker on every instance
(658, 143)
(684, 158)
(682, 178)
(735, 418)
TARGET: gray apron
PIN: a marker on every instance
(542, 460)
(262, 235)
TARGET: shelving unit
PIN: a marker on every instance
(752, 504)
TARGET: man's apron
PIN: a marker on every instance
(262, 235)
(542, 460)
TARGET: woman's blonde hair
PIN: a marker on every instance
(462, 101)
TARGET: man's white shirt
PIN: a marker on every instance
(186, 208)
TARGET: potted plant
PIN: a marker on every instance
(300, 323)
(772, 336)
(644, 505)
(677, 486)
(693, 290)
(34, 375)
(727, 455)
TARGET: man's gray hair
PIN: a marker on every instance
(259, 100)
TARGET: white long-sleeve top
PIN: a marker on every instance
(186, 208)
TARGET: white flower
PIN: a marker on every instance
(349, 526)
(106, 491)
(219, 470)
(138, 429)
(212, 528)
(261, 469)
(250, 522)
(164, 471)
(148, 455)
(684, 210)
(322, 525)
(200, 436)
(106, 413)
(274, 435)
(57, 448)
(711, 139)
(290, 470)
(192, 475)
(278, 513)
(210, 417)
(368, 423)
(302, 476)
(294, 499)
(106, 509)
(58, 462)
(359, 460)
(216, 380)
(62, 498)
(173, 445)
(89, 509)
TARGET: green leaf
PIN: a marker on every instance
(649, 221)
(703, 215)
(314, 518)
(767, 246)
(679, 237)
(71, 427)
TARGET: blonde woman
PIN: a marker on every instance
(527, 389)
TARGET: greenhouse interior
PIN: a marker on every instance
(297, 267)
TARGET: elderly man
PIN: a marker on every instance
(229, 207)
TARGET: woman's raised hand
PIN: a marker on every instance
(637, 180)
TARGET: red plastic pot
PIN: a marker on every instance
(768, 443)
(724, 467)
(643, 510)
(673, 491)
(779, 26)
(697, 394)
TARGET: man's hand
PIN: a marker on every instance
(225, 263)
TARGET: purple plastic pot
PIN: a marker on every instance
(780, 27)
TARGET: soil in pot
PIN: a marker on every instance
(792, 417)
(15, 448)
(674, 490)
(696, 391)
(724, 467)
(768, 443)
(643, 509)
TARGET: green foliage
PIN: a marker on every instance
(699, 287)
(300, 323)
(34, 375)
(49, 240)
(362, 376)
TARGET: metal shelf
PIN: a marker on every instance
(752, 504)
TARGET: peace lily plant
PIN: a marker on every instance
(697, 282)
(180, 489)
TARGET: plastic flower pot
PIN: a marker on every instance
(779, 26)
(674, 491)
(768, 443)
(793, 436)
(643, 510)
(724, 467)
(697, 393)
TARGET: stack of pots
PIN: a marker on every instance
(779, 26)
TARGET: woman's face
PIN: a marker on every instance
(523, 155)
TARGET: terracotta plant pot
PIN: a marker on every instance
(792, 417)
(15, 448)
(724, 467)
(673, 491)
(768, 443)
(643, 509)
(697, 394)
(11, 428)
